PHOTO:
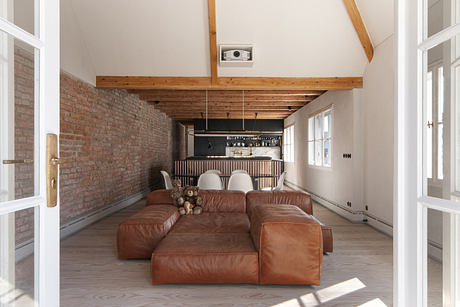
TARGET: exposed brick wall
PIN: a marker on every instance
(117, 144)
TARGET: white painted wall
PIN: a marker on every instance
(75, 58)
(378, 132)
(363, 126)
(341, 182)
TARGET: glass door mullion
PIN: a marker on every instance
(20, 34)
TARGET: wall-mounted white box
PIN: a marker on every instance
(229, 54)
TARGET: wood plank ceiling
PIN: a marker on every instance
(185, 105)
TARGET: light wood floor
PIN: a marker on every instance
(359, 271)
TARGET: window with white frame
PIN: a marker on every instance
(288, 144)
(319, 138)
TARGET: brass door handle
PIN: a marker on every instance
(26, 161)
(57, 161)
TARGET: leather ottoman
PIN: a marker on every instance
(203, 258)
(290, 245)
(138, 236)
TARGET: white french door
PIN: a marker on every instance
(427, 156)
(29, 120)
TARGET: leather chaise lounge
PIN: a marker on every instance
(264, 237)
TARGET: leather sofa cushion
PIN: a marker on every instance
(205, 258)
(299, 199)
(213, 222)
(213, 201)
(138, 236)
(289, 243)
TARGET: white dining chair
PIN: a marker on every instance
(210, 181)
(167, 179)
(239, 171)
(213, 171)
(240, 182)
(279, 186)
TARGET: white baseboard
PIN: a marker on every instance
(379, 225)
(27, 248)
(349, 214)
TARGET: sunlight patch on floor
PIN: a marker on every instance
(374, 303)
(328, 294)
(10, 295)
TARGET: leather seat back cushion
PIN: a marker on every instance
(213, 201)
(205, 258)
(289, 243)
(299, 199)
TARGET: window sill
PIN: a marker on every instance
(325, 168)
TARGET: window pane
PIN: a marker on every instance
(327, 152)
(318, 127)
(311, 129)
(318, 153)
(327, 124)
(429, 130)
(311, 153)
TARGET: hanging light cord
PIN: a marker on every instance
(206, 109)
(243, 110)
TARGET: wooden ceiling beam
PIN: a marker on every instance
(229, 83)
(212, 39)
(360, 28)
(182, 104)
(212, 93)
(227, 99)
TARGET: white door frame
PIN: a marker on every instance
(410, 200)
(46, 41)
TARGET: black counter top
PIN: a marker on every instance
(229, 158)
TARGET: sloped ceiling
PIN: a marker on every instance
(378, 17)
(297, 38)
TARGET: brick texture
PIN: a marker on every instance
(115, 145)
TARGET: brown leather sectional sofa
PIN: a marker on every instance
(259, 237)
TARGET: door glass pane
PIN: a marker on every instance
(17, 106)
(17, 273)
(440, 152)
(436, 16)
(434, 257)
(19, 12)
(429, 119)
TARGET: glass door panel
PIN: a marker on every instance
(19, 12)
(17, 266)
(18, 105)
